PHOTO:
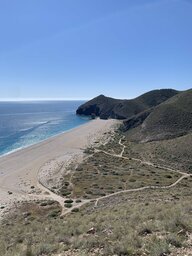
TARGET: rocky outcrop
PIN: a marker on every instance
(105, 107)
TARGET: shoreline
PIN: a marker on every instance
(30, 145)
(19, 170)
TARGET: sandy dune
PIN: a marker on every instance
(19, 170)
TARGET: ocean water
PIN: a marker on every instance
(26, 123)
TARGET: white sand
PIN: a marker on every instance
(19, 170)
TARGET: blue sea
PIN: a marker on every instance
(26, 123)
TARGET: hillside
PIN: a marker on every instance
(170, 119)
(156, 115)
(106, 107)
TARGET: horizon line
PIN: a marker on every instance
(40, 99)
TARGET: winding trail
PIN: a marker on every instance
(60, 199)
(143, 188)
(48, 194)
(51, 195)
(184, 175)
(121, 144)
(19, 170)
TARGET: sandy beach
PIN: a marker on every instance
(20, 170)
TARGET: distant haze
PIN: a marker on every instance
(79, 49)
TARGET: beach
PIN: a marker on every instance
(24, 173)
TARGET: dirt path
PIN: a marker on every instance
(121, 144)
(19, 170)
(184, 175)
(142, 188)
(60, 199)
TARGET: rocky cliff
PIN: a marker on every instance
(105, 107)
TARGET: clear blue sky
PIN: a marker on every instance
(82, 48)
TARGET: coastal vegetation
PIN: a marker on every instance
(171, 119)
(149, 223)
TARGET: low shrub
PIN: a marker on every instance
(68, 201)
(68, 205)
(75, 210)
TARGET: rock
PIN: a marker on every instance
(91, 231)
(107, 232)
(26, 214)
(181, 232)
